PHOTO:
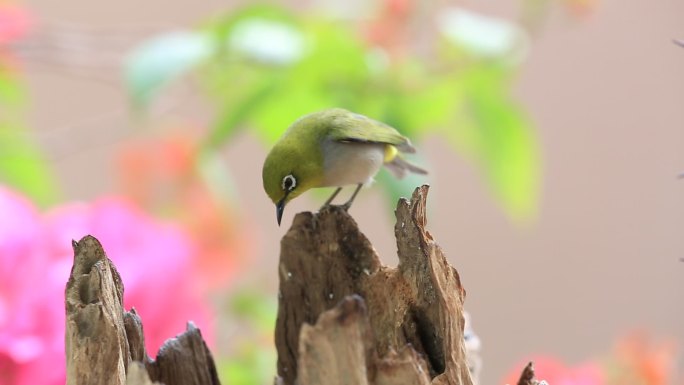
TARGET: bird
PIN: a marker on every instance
(333, 148)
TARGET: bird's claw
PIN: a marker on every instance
(344, 207)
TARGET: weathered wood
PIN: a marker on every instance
(184, 360)
(340, 332)
(105, 343)
(336, 351)
(137, 375)
(96, 344)
(135, 336)
(415, 309)
(527, 376)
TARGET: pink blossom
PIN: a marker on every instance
(153, 258)
(31, 305)
(15, 22)
(555, 372)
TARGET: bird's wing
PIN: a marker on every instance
(351, 127)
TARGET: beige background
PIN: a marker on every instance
(607, 96)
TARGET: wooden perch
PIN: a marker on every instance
(105, 344)
(344, 318)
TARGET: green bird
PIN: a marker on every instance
(332, 148)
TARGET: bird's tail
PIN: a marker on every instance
(399, 166)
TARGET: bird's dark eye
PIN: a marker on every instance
(289, 182)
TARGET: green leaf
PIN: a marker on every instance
(249, 76)
(418, 111)
(253, 365)
(282, 108)
(499, 135)
(162, 59)
(252, 360)
(429, 107)
(337, 58)
(11, 93)
(274, 68)
(259, 309)
(22, 167)
(332, 74)
(241, 110)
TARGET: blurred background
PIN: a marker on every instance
(552, 129)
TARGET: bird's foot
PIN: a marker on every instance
(329, 206)
(345, 206)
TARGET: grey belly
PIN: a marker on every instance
(351, 163)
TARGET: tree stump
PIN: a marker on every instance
(344, 318)
(105, 344)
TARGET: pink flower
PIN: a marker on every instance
(31, 299)
(639, 358)
(154, 261)
(15, 22)
(555, 372)
(153, 258)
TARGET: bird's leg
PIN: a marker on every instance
(327, 203)
(347, 205)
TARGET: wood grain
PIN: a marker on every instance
(395, 325)
(105, 344)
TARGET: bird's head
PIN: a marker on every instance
(287, 173)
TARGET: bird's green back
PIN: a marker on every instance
(299, 150)
(346, 126)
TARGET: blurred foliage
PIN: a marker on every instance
(253, 358)
(263, 67)
(162, 59)
(21, 161)
(535, 12)
(260, 310)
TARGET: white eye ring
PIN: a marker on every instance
(289, 180)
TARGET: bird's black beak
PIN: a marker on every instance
(280, 207)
